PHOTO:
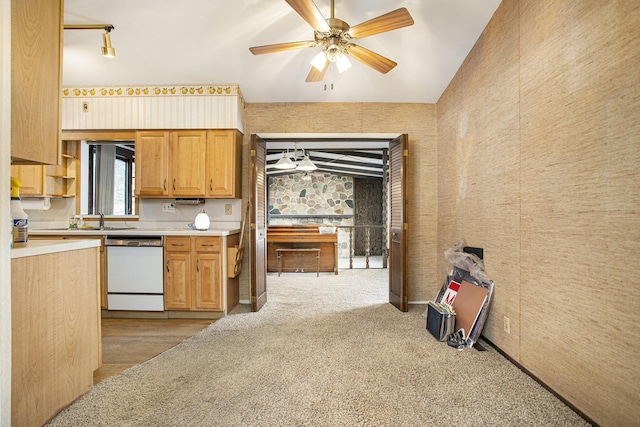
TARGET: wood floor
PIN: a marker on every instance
(127, 342)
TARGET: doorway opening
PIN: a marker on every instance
(347, 190)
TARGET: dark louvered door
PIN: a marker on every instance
(398, 240)
(258, 223)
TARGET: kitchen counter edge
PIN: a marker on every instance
(133, 232)
(44, 247)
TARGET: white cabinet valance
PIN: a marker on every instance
(152, 107)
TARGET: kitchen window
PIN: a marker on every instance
(111, 179)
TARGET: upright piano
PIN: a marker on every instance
(302, 236)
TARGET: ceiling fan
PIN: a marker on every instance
(336, 39)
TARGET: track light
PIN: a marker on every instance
(107, 50)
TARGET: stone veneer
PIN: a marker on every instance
(324, 199)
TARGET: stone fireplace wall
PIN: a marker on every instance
(324, 199)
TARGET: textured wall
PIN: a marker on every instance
(416, 120)
(538, 153)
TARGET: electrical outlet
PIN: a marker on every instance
(228, 209)
(168, 207)
(85, 107)
(507, 325)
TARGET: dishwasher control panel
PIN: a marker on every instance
(135, 241)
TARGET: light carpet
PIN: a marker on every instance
(327, 351)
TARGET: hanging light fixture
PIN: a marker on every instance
(333, 53)
(285, 163)
(306, 165)
(107, 50)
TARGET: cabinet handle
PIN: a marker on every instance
(165, 185)
(208, 244)
(174, 184)
(168, 271)
(211, 185)
(177, 244)
(198, 265)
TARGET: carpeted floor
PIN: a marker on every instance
(325, 351)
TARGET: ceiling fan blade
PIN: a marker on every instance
(390, 21)
(271, 48)
(372, 59)
(310, 13)
(315, 75)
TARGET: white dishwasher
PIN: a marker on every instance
(135, 273)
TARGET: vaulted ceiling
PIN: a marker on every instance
(188, 42)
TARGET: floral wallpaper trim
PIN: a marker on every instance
(170, 90)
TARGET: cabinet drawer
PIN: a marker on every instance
(207, 244)
(177, 244)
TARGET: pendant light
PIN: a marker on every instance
(285, 163)
(306, 165)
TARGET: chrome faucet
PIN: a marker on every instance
(101, 220)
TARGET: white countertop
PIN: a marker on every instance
(132, 232)
(43, 247)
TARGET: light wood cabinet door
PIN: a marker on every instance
(36, 80)
(31, 178)
(224, 164)
(187, 160)
(208, 282)
(177, 281)
(152, 163)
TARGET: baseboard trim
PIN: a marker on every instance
(542, 383)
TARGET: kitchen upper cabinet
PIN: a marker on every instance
(51, 180)
(193, 274)
(152, 163)
(189, 163)
(36, 80)
(224, 164)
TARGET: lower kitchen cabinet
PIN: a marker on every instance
(193, 273)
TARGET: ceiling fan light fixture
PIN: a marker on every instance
(343, 64)
(107, 50)
(306, 165)
(285, 163)
(318, 61)
(333, 52)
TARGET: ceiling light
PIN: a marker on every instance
(285, 163)
(306, 165)
(107, 50)
(333, 51)
(319, 60)
(343, 64)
